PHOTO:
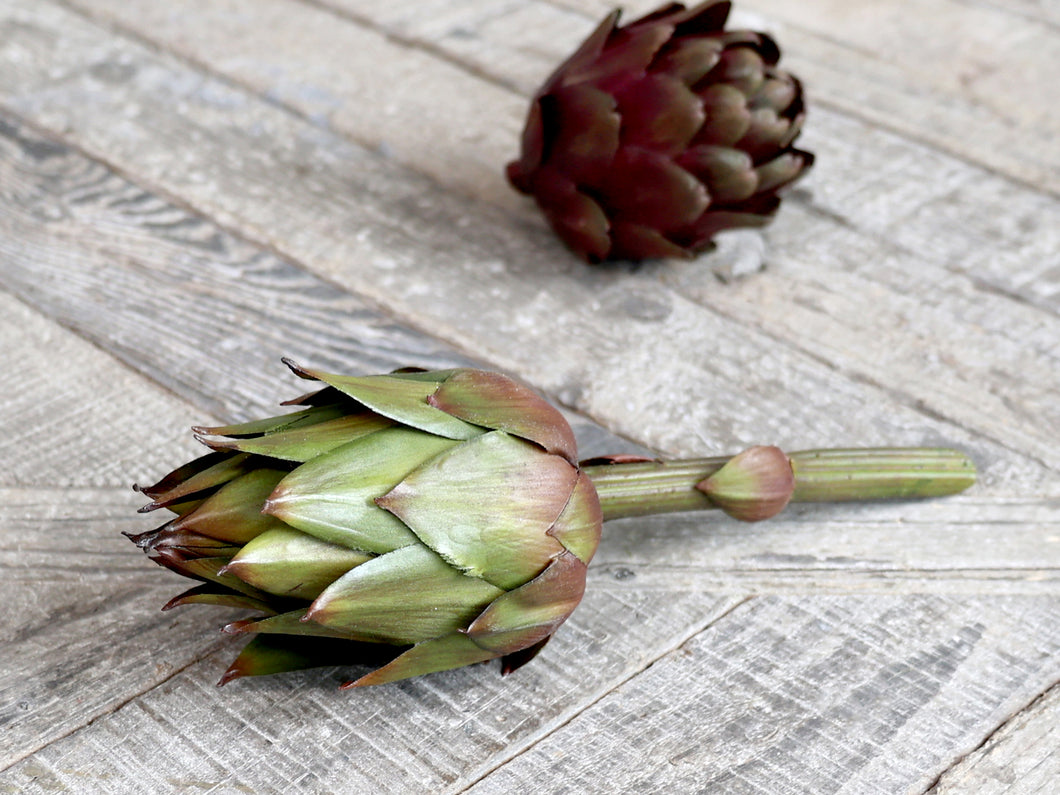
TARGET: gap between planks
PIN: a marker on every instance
(940, 784)
(517, 750)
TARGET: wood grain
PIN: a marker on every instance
(298, 732)
(198, 310)
(468, 281)
(72, 416)
(964, 545)
(1020, 758)
(190, 190)
(807, 694)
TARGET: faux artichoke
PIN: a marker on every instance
(439, 511)
(421, 521)
(655, 136)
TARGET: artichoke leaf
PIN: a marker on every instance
(486, 506)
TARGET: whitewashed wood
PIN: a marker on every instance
(204, 312)
(1047, 11)
(71, 415)
(958, 545)
(407, 111)
(298, 733)
(1022, 757)
(488, 269)
(929, 208)
(81, 633)
(283, 179)
(826, 695)
(66, 220)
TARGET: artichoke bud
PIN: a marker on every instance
(753, 485)
(439, 517)
(655, 136)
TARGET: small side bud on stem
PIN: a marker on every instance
(754, 485)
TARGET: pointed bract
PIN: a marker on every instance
(333, 496)
(496, 401)
(211, 594)
(405, 596)
(304, 443)
(486, 506)
(286, 562)
(438, 654)
(401, 398)
(274, 654)
(233, 512)
(530, 613)
(204, 474)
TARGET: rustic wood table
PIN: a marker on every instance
(190, 190)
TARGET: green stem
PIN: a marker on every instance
(648, 487)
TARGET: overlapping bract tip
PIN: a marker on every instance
(655, 136)
(415, 522)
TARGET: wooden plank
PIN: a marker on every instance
(931, 210)
(82, 632)
(815, 694)
(72, 416)
(970, 545)
(944, 344)
(391, 114)
(68, 220)
(299, 733)
(221, 343)
(80, 623)
(461, 284)
(1020, 758)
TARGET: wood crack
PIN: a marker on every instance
(992, 735)
(538, 737)
(111, 708)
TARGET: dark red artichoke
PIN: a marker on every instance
(655, 136)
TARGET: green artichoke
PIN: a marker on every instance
(421, 521)
(439, 511)
(655, 136)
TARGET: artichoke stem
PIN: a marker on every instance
(649, 487)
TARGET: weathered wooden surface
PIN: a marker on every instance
(1020, 757)
(190, 190)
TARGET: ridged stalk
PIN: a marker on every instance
(649, 487)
